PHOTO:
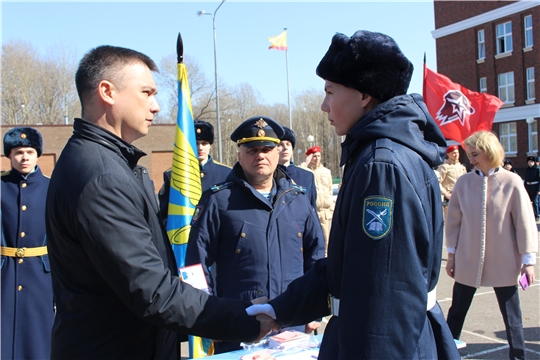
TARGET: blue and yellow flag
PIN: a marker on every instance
(186, 188)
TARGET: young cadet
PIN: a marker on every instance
(384, 253)
(114, 275)
(300, 176)
(27, 297)
(257, 227)
(212, 173)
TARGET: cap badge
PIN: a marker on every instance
(23, 136)
(261, 133)
(261, 123)
(198, 131)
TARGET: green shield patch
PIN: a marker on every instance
(378, 213)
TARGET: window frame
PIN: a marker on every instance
(528, 31)
(505, 39)
(483, 85)
(481, 44)
(507, 86)
(506, 139)
(529, 85)
(532, 132)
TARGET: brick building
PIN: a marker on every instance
(494, 47)
(157, 145)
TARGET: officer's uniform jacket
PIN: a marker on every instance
(448, 173)
(384, 253)
(532, 181)
(304, 178)
(113, 270)
(259, 246)
(27, 299)
(212, 173)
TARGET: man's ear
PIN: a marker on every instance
(368, 101)
(106, 91)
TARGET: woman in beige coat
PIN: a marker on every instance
(491, 237)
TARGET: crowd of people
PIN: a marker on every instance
(88, 271)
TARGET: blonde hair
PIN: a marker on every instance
(488, 143)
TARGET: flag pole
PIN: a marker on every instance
(288, 86)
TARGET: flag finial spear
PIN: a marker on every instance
(179, 49)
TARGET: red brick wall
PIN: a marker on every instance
(449, 12)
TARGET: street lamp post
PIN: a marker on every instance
(310, 140)
(200, 13)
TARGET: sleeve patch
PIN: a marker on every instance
(377, 216)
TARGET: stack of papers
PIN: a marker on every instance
(288, 340)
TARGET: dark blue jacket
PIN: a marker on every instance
(113, 268)
(385, 246)
(28, 313)
(304, 178)
(212, 173)
(259, 246)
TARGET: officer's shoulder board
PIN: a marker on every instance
(223, 185)
(224, 165)
(299, 188)
(6, 173)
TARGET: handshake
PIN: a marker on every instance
(266, 316)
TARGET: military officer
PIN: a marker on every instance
(301, 176)
(27, 300)
(258, 227)
(212, 172)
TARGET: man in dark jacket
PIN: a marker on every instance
(257, 227)
(27, 297)
(300, 176)
(114, 275)
(532, 184)
(384, 253)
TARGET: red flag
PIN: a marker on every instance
(458, 111)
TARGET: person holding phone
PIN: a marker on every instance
(491, 237)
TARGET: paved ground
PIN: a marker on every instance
(484, 328)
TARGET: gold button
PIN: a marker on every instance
(301, 249)
(202, 174)
(23, 207)
(19, 287)
(23, 185)
(283, 202)
(23, 234)
(237, 251)
(21, 261)
(299, 234)
(243, 235)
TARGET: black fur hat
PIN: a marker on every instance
(289, 135)
(369, 62)
(23, 136)
(204, 131)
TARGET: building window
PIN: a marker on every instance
(527, 21)
(508, 137)
(504, 37)
(481, 45)
(483, 85)
(530, 84)
(533, 137)
(506, 87)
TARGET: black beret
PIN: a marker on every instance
(23, 136)
(204, 131)
(531, 158)
(508, 162)
(258, 131)
(369, 62)
(288, 134)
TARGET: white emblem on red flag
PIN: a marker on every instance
(456, 106)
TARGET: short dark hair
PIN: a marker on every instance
(103, 62)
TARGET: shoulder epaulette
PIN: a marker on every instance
(218, 163)
(222, 186)
(6, 173)
(299, 188)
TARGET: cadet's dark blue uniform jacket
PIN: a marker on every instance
(259, 246)
(384, 253)
(212, 173)
(114, 275)
(27, 299)
(304, 178)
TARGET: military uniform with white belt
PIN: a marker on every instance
(27, 299)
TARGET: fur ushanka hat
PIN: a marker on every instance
(369, 62)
